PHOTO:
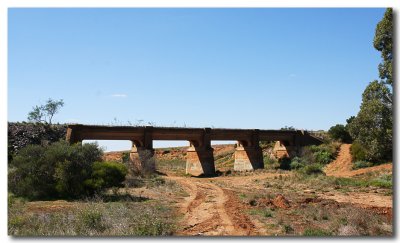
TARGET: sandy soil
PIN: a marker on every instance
(212, 205)
(342, 166)
(212, 210)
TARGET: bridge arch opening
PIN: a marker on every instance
(223, 151)
(112, 145)
(170, 155)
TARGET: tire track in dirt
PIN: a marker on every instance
(211, 210)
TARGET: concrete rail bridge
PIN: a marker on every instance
(200, 160)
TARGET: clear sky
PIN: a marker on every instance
(230, 68)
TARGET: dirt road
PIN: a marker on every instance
(211, 210)
(342, 166)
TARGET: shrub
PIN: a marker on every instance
(316, 232)
(323, 157)
(106, 175)
(358, 152)
(284, 163)
(271, 163)
(322, 154)
(58, 170)
(340, 133)
(297, 163)
(312, 169)
(361, 164)
(31, 174)
(91, 219)
(74, 167)
(384, 181)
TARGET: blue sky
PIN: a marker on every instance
(231, 68)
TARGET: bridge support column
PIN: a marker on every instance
(248, 158)
(200, 161)
(142, 154)
(285, 149)
(143, 159)
(248, 154)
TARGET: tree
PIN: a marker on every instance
(372, 127)
(383, 43)
(45, 113)
(339, 132)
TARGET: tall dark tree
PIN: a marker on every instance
(383, 43)
(372, 128)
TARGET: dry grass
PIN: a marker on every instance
(111, 214)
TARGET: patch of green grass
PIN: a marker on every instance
(316, 232)
(361, 164)
(266, 213)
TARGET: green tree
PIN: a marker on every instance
(340, 132)
(373, 126)
(45, 113)
(383, 43)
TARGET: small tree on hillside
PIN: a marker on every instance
(45, 113)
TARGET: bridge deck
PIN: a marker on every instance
(80, 132)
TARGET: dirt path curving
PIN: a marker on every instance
(342, 166)
(211, 210)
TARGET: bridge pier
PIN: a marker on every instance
(200, 161)
(248, 158)
(285, 149)
(142, 157)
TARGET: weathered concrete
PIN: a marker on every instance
(248, 158)
(282, 150)
(143, 159)
(248, 155)
(200, 161)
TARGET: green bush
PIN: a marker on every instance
(284, 163)
(62, 170)
(358, 152)
(361, 164)
(340, 133)
(312, 169)
(31, 175)
(270, 163)
(106, 175)
(322, 154)
(297, 163)
(74, 167)
(384, 181)
(323, 157)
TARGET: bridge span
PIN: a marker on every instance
(200, 160)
